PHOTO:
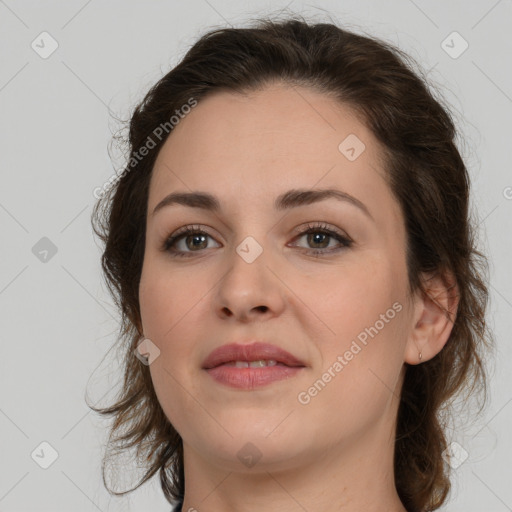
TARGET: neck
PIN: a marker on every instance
(348, 477)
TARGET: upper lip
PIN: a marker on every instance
(254, 352)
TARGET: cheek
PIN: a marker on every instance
(360, 371)
(169, 302)
(365, 311)
(173, 310)
(358, 294)
(170, 309)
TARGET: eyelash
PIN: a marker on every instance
(308, 229)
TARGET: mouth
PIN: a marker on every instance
(262, 363)
(256, 355)
(251, 366)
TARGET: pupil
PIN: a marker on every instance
(195, 237)
(318, 235)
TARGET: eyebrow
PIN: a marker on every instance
(291, 199)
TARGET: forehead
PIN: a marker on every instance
(264, 142)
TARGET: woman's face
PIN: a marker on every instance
(343, 313)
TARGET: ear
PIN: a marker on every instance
(434, 314)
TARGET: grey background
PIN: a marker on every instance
(58, 321)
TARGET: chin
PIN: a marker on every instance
(262, 446)
(257, 456)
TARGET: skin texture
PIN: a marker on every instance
(336, 451)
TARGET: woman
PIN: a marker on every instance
(301, 293)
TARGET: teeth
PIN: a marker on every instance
(252, 364)
(257, 364)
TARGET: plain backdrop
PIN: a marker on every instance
(57, 320)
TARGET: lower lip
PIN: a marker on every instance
(250, 378)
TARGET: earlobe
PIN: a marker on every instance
(434, 314)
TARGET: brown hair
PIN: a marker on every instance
(425, 172)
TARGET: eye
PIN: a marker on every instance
(320, 235)
(194, 238)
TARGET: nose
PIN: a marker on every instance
(250, 290)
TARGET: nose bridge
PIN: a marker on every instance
(249, 261)
(251, 231)
(250, 249)
(249, 284)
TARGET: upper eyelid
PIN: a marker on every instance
(320, 225)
